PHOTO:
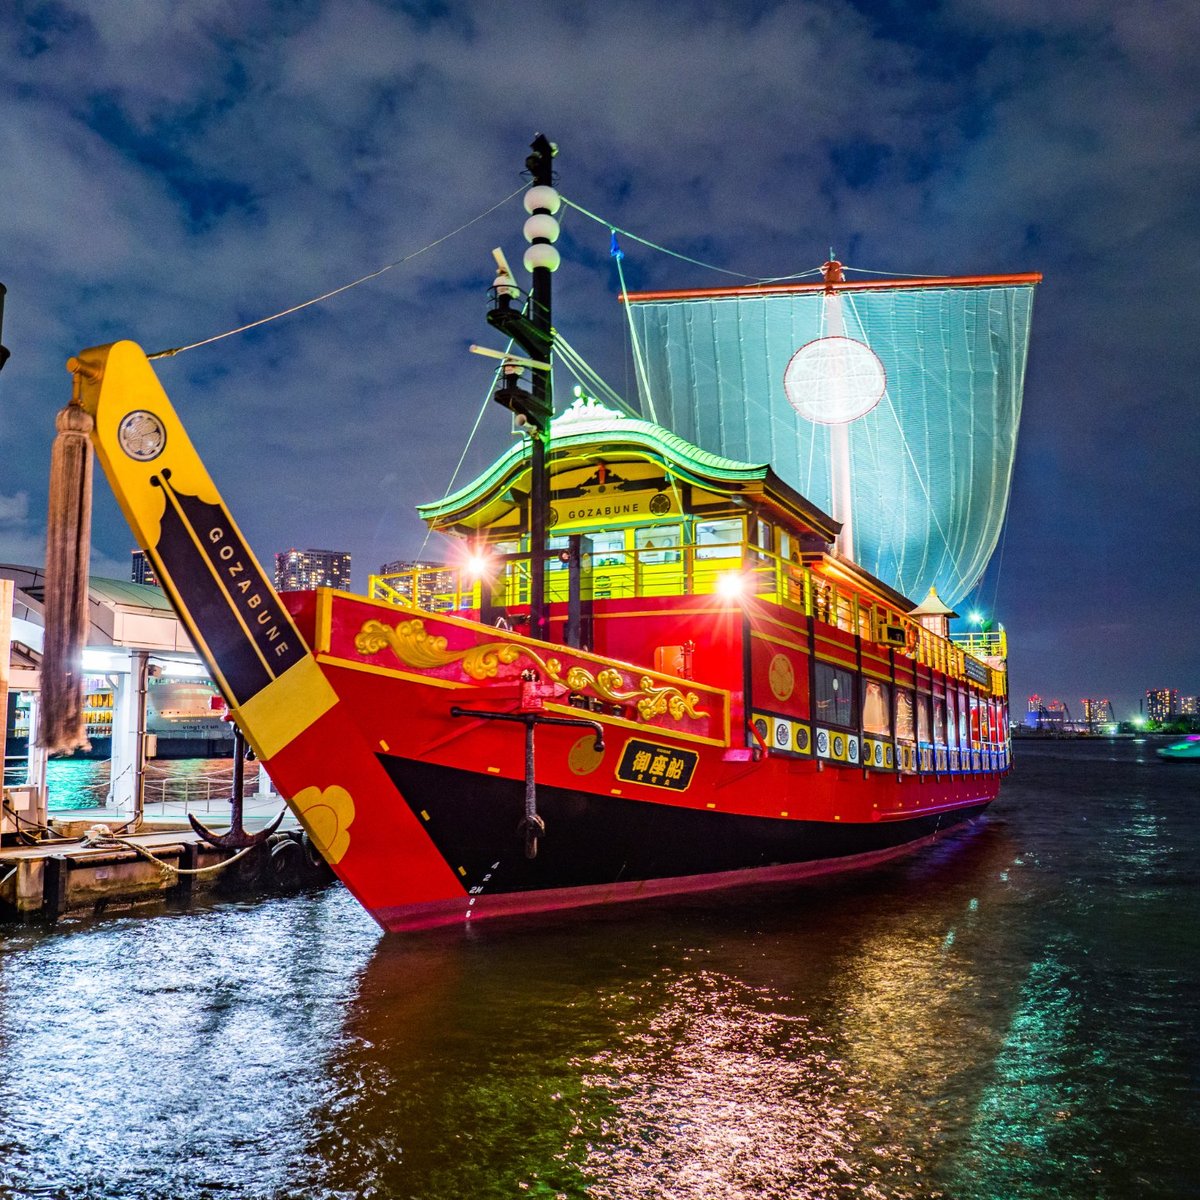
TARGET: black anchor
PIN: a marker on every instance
(236, 838)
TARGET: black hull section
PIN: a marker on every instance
(593, 840)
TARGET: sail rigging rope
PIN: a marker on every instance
(487, 396)
(654, 245)
(589, 378)
(338, 290)
(639, 361)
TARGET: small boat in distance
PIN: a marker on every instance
(1187, 750)
(657, 666)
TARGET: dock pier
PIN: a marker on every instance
(165, 862)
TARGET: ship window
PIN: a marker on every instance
(762, 536)
(650, 540)
(939, 720)
(951, 721)
(719, 539)
(905, 729)
(608, 548)
(877, 714)
(834, 695)
(923, 722)
(963, 739)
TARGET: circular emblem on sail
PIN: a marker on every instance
(834, 380)
(141, 435)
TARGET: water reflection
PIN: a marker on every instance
(697, 1050)
(996, 1019)
(174, 1056)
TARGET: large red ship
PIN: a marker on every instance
(655, 668)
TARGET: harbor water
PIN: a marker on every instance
(1015, 1013)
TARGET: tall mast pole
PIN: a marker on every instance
(841, 498)
(539, 164)
(533, 331)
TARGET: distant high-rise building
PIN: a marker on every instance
(435, 583)
(1189, 706)
(296, 570)
(1162, 703)
(140, 569)
(1097, 713)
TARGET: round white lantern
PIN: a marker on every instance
(542, 196)
(541, 225)
(541, 255)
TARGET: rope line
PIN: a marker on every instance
(639, 362)
(170, 869)
(654, 245)
(891, 274)
(487, 396)
(338, 290)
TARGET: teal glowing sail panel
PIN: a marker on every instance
(930, 464)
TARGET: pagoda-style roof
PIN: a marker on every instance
(591, 426)
(932, 606)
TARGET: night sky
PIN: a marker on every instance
(171, 170)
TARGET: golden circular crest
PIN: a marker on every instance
(583, 757)
(782, 677)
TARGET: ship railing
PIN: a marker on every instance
(688, 569)
(434, 589)
(984, 644)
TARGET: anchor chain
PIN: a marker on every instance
(532, 826)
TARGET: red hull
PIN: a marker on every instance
(420, 781)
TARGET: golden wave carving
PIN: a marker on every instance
(651, 701)
(416, 647)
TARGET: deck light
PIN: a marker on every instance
(731, 585)
(477, 564)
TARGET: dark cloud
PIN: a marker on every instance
(172, 171)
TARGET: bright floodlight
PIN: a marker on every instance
(834, 380)
(731, 585)
(477, 565)
(976, 617)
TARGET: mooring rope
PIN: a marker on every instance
(100, 836)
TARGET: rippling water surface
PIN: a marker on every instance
(1016, 1014)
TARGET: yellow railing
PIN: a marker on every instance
(690, 570)
(992, 644)
(437, 589)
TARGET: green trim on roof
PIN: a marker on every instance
(590, 424)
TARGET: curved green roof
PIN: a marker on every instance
(587, 422)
